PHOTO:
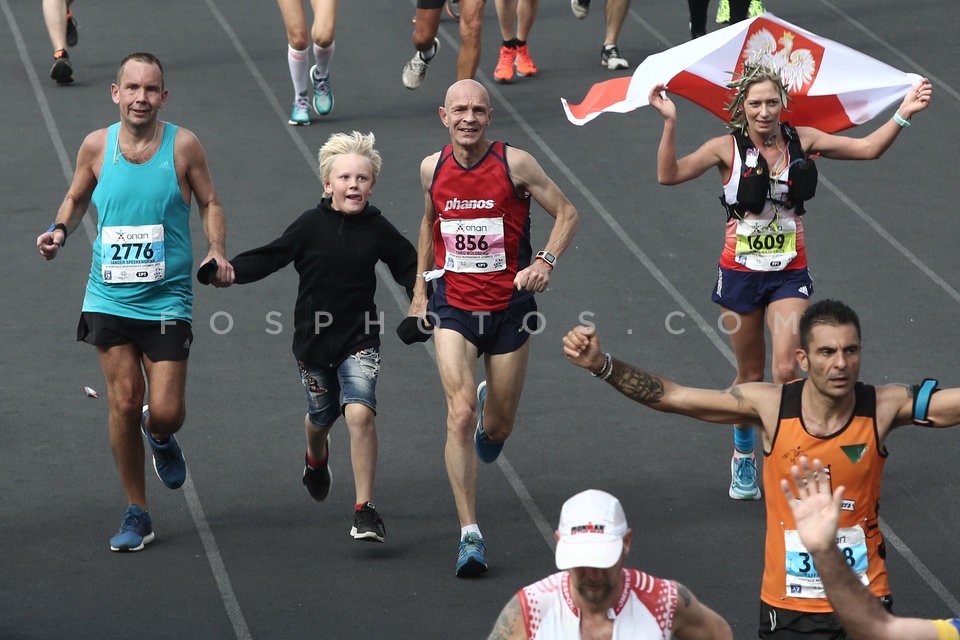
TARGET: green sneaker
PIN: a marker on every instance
(322, 92)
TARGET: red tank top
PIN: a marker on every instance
(481, 236)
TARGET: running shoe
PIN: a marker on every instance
(723, 12)
(322, 92)
(487, 449)
(504, 71)
(610, 57)
(136, 530)
(743, 478)
(525, 66)
(300, 113)
(367, 524)
(580, 8)
(416, 68)
(472, 559)
(453, 9)
(168, 459)
(62, 70)
(72, 34)
(317, 480)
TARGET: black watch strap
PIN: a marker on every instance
(62, 227)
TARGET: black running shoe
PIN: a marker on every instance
(367, 524)
(62, 70)
(317, 480)
(72, 34)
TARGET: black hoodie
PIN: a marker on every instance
(336, 255)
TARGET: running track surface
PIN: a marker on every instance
(242, 552)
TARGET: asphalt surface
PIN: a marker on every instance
(242, 551)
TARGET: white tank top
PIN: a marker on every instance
(644, 610)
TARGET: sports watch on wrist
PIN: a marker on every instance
(547, 257)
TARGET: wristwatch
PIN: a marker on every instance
(547, 257)
(62, 227)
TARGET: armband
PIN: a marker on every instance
(947, 629)
(604, 372)
(899, 120)
(62, 227)
(921, 401)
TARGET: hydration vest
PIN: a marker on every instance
(755, 182)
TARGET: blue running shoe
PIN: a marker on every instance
(487, 449)
(472, 560)
(322, 92)
(136, 530)
(300, 113)
(743, 480)
(168, 459)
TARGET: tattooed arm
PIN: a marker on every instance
(694, 620)
(509, 625)
(749, 403)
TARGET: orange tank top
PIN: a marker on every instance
(854, 459)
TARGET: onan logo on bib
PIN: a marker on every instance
(121, 236)
(457, 204)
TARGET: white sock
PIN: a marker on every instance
(323, 56)
(427, 55)
(470, 528)
(299, 63)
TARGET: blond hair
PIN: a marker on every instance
(340, 144)
(753, 74)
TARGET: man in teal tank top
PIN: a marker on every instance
(141, 174)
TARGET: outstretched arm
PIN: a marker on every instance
(874, 145)
(817, 513)
(694, 620)
(742, 403)
(895, 407)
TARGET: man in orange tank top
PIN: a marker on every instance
(829, 415)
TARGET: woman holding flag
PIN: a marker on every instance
(768, 173)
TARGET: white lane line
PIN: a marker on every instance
(214, 558)
(65, 165)
(912, 64)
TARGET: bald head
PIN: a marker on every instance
(466, 89)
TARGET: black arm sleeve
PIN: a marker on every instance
(256, 264)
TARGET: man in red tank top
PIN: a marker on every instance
(475, 245)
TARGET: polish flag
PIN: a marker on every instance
(832, 87)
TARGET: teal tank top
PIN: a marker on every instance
(142, 256)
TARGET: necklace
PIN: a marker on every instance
(118, 153)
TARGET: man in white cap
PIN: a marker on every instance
(594, 596)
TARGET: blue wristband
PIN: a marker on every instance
(62, 227)
(899, 119)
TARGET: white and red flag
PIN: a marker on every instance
(832, 87)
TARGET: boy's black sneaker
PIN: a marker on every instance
(367, 524)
